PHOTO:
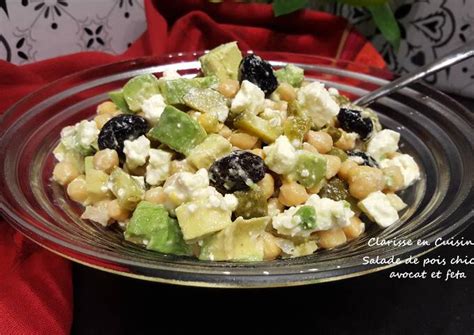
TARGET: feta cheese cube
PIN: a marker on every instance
(384, 142)
(281, 156)
(153, 107)
(81, 137)
(158, 168)
(250, 98)
(317, 102)
(407, 165)
(185, 186)
(136, 151)
(275, 117)
(378, 208)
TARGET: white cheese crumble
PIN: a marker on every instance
(153, 107)
(249, 98)
(80, 137)
(408, 167)
(170, 74)
(329, 214)
(378, 208)
(333, 91)
(185, 186)
(136, 151)
(158, 168)
(317, 102)
(275, 117)
(384, 142)
(280, 156)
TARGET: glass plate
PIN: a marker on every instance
(436, 130)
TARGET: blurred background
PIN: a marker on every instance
(32, 30)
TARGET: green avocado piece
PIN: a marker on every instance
(96, 181)
(174, 90)
(151, 225)
(139, 89)
(310, 169)
(212, 148)
(126, 189)
(222, 61)
(119, 100)
(241, 241)
(256, 126)
(207, 100)
(252, 203)
(290, 74)
(307, 215)
(197, 219)
(178, 130)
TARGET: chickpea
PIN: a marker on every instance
(225, 132)
(355, 229)
(394, 180)
(310, 148)
(271, 250)
(228, 88)
(292, 194)
(321, 140)
(107, 107)
(65, 172)
(116, 212)
(209, 122)
(243, 140)
(345, 168)
(331, 238)
(106, 160)
(364, 180)
(345, 142)
(101, 119)
(155, 195)
(333, 164)
(286, 92)
(77, 190)
(267, 185)
(259, 152)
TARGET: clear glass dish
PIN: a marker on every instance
(435, 129)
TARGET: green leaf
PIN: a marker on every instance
(282, 7)
(363, 2)
(387, 24)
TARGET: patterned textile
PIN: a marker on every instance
(32, 30)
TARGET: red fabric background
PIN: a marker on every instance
(36, 285)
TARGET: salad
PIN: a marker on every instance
(240, 163)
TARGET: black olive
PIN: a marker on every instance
(258, 72)
(236, 172)
(352, 121)
(368, 160)
(120, 128)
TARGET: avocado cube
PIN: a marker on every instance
(126, 189)
(241, 241)
(290, 74)
(174, 90)
(256, 126)
(96, 182)
(212, 148)
(198, 220)
(151, 226)
(207, 100)
(119, 100)
(310, 169)
(139, 89)
(178, 130)
(222, 61)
